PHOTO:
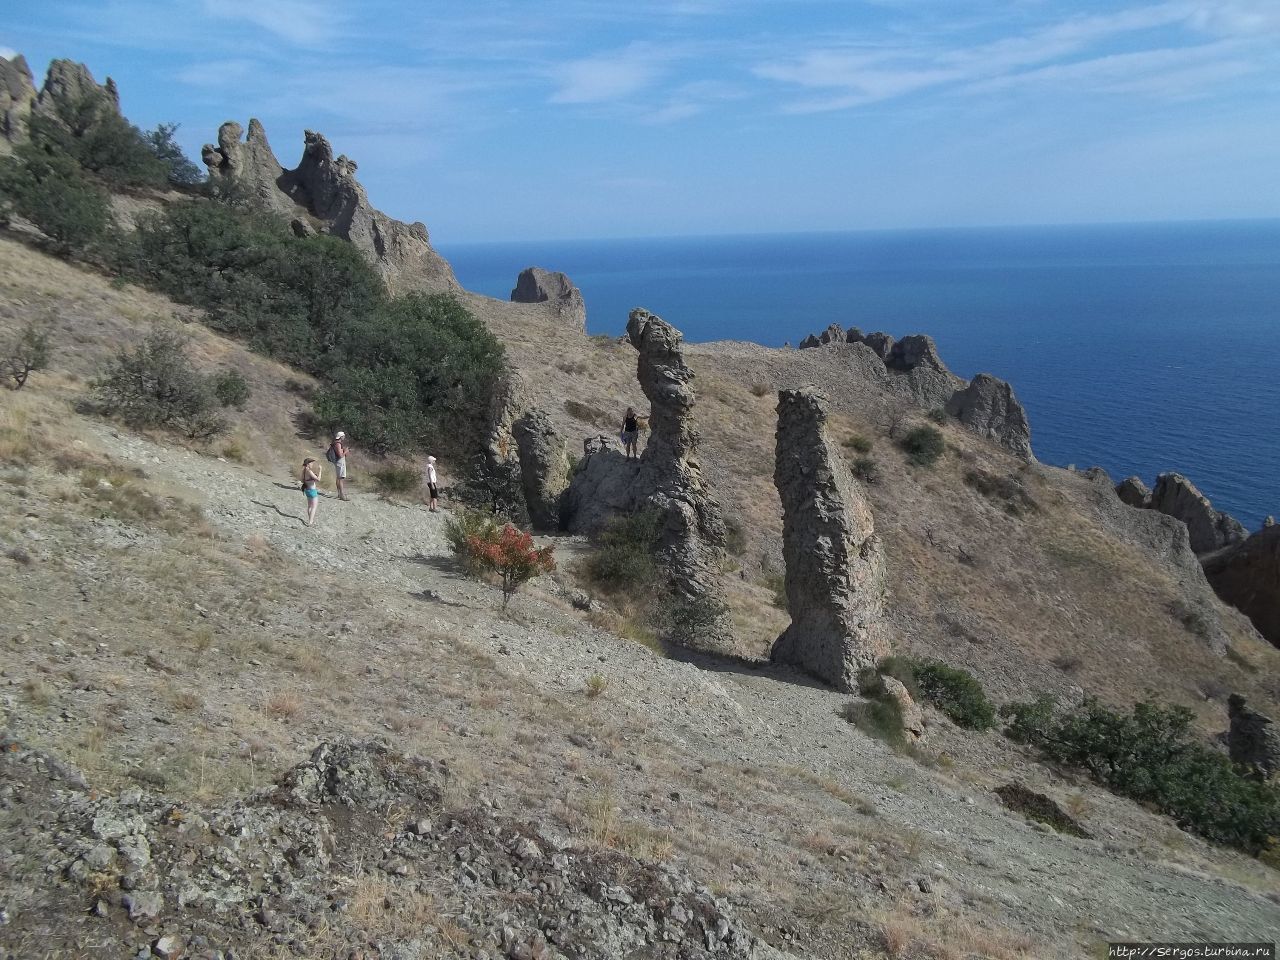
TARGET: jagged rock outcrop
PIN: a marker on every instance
(809, 342)
(1209, 529)
(988, 407)
(535, 285)
(667, 478)
(881, 343)
(920, 371)
(1247, 576)
(17, 97)
(1165, 540)
(835, 567)
(324, 190)
(1134, 492)
(1253, 740)
(833, 334)
(65, 83)
(544, 467)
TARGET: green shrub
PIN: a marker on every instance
(623, 557)
(49, 190)
(923, 445)
(1008, 491)
(937, 415)
(397, 479)
(880, 718)
(735, 536)
(859, 443)
(26, 354)
(155, 385)
(462, 528)
(231, 389)
(955, 692)
(685, 621)
(1150, 756)
(866, 470)
(777, 582)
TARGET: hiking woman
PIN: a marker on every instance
(310, 479)
(432, 483)
(630, 433)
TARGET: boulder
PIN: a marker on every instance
(1209, 529)
(544, 467)
(835, 566)
(1247, 576)
(855, 335)
(667, 478)
(809, 342)
(988, 407)
(912, 715)
(1134, 492)
(324, 188)
(1253, 739)
(535, 285)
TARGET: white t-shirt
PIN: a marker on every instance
(431, 473)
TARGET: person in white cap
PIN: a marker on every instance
(432, 481)
(337, 455)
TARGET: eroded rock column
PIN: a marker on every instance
(835, 567)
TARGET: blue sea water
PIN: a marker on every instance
(1140, 348)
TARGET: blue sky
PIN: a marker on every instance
(494, 120)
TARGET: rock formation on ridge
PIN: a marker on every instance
(544, 467)
(835, 567)
(667, 479)
(324, 194)
(65, 83)
(1253, 739)
(1208, 528)
(988, 408)
(1247, 576)
(535, 285)
(1134, 492)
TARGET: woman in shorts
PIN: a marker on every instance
(630, 432)
(310, 487)
(433, 488)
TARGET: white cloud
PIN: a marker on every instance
(304, 23)
(8, 53)
(606, 77)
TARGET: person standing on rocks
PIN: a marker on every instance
(630, 433)
(310, 486)
(433, 489)
(337, 455)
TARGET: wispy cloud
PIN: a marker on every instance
(304, 23)
(607, 77)
(856, 73)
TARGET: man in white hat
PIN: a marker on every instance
(432, 483)
(337, 455)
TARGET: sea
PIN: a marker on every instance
(1139, 348)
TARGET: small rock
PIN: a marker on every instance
(167, 947)
(143, 904)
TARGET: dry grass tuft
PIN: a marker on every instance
(284, 705)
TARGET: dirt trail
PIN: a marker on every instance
(974, 853)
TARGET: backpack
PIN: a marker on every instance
(331, 454)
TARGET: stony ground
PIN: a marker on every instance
(202, 658)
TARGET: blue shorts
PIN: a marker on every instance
(311, 493)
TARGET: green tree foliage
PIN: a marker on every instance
(955, 692)
(156, 385)
(49, 189)
(400, 374)
(623, 557)
(26, 353)
(231, 389)
(92, 133)
(181, 171)
(1151, 755)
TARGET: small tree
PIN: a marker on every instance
(156, 385)
(513, 557)
(923, 445)
(50, 191)
(231, 389)
(162, 144)
(28, 353)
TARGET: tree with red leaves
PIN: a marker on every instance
(511, 555)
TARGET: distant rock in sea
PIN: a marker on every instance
(535, 285)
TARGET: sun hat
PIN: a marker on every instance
(339, 435)
(431, 459)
